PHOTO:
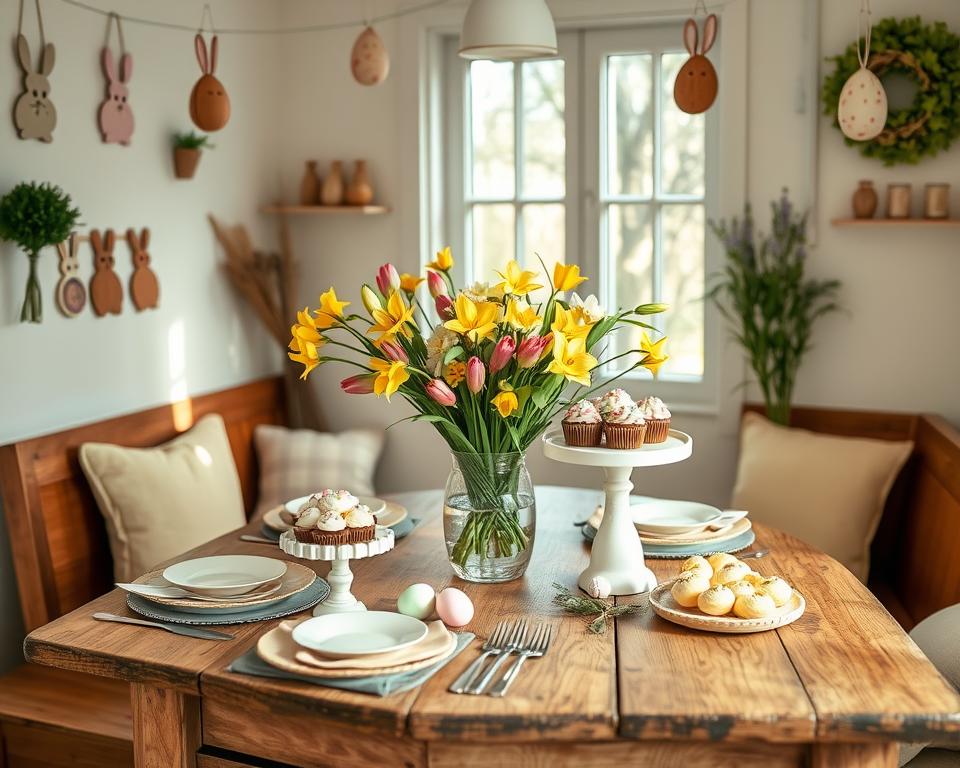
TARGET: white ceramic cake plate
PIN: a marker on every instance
(340, 599)
(617, 553)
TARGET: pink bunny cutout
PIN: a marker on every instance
(116, 115)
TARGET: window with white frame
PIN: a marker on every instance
(586, 159)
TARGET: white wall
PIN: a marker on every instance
(201, 338)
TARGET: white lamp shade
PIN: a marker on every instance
(508, 29)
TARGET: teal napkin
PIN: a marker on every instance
(378, 685)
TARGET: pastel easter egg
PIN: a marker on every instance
(369, 60)
(454, 607)
(862, 111)
(417, 600)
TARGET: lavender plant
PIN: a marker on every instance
(770, 304)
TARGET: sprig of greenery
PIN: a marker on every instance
(36, 215)
(584, 605)
(191, 141)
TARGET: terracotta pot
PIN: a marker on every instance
(185, 162)
(865, 200)
(332, 191)
(310, 184)
(898, 201)
(359, 192)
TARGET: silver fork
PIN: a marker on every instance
(517, 639)
(538, 646)
(494, 644)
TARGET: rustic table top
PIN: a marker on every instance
(845, 671)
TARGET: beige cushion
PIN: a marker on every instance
(827, 490)
(298, 462)
(160, 502)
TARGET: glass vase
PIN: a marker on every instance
(489, 516)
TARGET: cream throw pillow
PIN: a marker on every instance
(298, 462)
(827, 490)
(160, 502)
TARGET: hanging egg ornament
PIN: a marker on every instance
(862, 111)
(369, 60)
(209, 102)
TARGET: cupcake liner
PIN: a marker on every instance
(657, 430)
(332, 538)
(624, 435)
(580, 434)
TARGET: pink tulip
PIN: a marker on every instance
(440, 392)
(502, 354)
(436, 284)
(361, 384)
(388, 279)
(531, 350)
(476, 374)
(444, 305)
(394, 352)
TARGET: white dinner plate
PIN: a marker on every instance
(342, 635)
(392, 514)
(666, 516)
(225, 575)
(376, 505)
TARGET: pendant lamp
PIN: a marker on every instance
(508, 29)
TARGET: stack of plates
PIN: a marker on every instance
(388, 513)
(352, 645)
(678, 529)
(226, 589)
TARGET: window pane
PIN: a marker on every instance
(544, 235)
(629, 125)
(630, 245)
(491, 88)
(683, 287)
(681, 137)
(493, 240)
(544, 141)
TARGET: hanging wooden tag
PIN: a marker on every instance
(695, 88)
(144, 286)
(209, 102)
(34, 115)
(106, 292)
(116, 114)
(71, 292)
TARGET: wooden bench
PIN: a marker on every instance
(49, 717)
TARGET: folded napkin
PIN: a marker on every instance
(437, 641)
(378, 685)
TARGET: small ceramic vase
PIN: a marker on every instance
(332, 191)
(864, 200)
(310, 184)
(936, 201)
(359, 191)
(898, 201)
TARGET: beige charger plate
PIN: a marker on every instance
(278, 649)
(667, 608)
(730, 532)
(392, 514)
(296, 579)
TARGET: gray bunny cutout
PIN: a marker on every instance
(34, 113)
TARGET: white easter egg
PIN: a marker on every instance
(862, 111)
(369, 60)
(454, 607)
(417, 600)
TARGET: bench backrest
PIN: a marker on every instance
(57, 535)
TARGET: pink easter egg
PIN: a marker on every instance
(454, 608)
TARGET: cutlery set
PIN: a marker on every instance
(505, 641)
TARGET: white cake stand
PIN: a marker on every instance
(340, 599)
(617, 553)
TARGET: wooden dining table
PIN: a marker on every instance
(839, 687)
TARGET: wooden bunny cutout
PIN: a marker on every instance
(144, 287)
(71, 292)
(209, 103)
(696, 85)
(34, 113)
(116, 116)
(106, 292)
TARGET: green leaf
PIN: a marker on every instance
(452, 354)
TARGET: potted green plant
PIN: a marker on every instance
(34, 216)
(186, 153)
(770, 304)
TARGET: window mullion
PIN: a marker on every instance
(518, 153)
(468, 256)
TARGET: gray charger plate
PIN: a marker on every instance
(682, 551)
(293, 604)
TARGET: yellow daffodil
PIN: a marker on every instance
(566, 277)
(523, 317)
(305, 342)
(571, 359)
(455, 372)
(390, 375)
(443, 260)
(475, 320)
(569, 323)
(654, 356)
(410, 282)
(517, 281)
(506, 402)
(391, 321)
(331, 309)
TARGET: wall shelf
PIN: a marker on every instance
(896, 222)
(325, 210)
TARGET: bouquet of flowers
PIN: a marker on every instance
(487, 370)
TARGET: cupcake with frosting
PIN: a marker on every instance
(623, 422)
(582, 425)
(657, 416)
(334, 517)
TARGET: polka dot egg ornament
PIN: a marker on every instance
(862, 111)
(369, 60)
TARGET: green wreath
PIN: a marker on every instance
(928, 53)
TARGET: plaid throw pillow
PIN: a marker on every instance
(298, 462)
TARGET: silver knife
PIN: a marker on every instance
(177, 629)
